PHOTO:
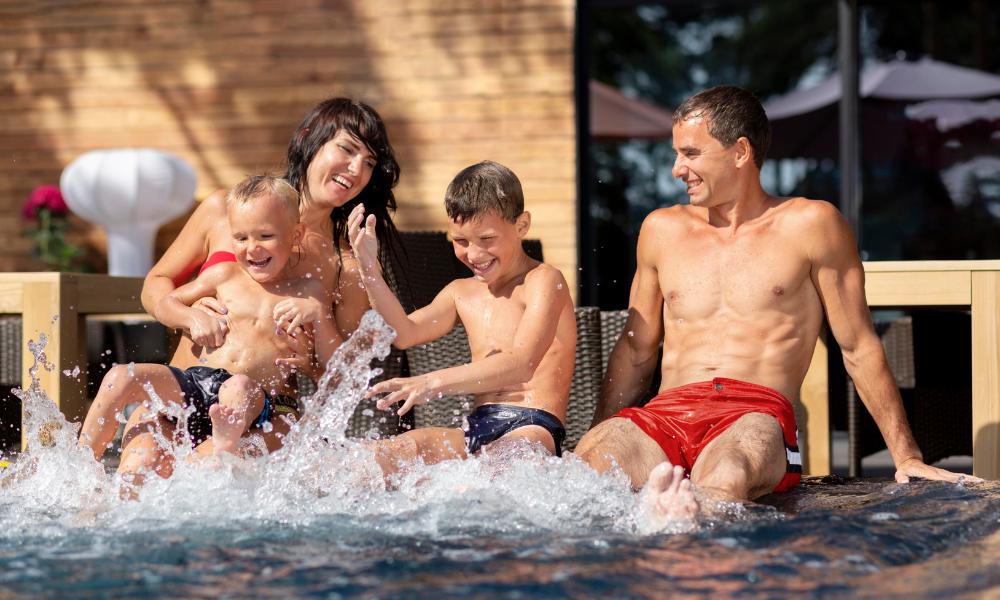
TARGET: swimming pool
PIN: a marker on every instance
(314, 520)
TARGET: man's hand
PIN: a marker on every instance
(361, 234)
(412, 390)
(914, 467)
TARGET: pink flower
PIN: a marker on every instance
(45, 196)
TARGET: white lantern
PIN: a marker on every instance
(130, 192)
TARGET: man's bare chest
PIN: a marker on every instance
(702, 279)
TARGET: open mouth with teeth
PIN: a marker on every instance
(482, 267)
(259, 263)
(342, 182)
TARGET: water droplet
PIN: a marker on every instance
(368, 412)
(631, 333)
(559, 286)
(309, 275)
(101, 420)
(231, 419)
(267, 427)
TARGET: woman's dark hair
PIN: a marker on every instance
(360, 120)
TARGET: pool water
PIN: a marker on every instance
(314, 520)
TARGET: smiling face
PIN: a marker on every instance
(703, 163)
(264, 230)
(489, 244)
(340, 170)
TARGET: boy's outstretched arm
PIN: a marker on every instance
(174, 310)
(545, 298)
(423, 325)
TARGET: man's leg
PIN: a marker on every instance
(744, 462)
(620, 441)
(124, 384)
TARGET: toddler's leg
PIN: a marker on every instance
(119, 388)
(240, 401)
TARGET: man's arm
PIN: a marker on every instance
(633, 360)
(546, 296)
(839, 278)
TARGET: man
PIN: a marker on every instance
(735, 285)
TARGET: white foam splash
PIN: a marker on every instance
(318, 473)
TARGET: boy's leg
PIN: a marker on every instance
(121, 385)
(240, 401)
(430, 444)
(140, 452)
(531, 433)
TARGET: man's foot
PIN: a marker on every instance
(667, 501)
(227, 427)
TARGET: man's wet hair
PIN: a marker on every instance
(481, 188)
(730, 112)
(254, 187)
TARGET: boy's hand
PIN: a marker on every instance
(292, 314)
(413, 390)
(361, 233)
(207, 331)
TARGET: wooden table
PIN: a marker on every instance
(969, 284)
(57, 305)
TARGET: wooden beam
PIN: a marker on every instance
(986, 374)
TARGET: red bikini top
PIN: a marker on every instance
(216, 258)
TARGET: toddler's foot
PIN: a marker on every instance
(667, 500)
(227, 428)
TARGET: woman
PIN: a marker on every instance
(338, 157)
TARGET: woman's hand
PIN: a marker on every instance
(301, 357)
(292, 314)
(410, 390)
(211, 306)
(207, 331)
(361, 234)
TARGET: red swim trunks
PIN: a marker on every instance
(684, 420)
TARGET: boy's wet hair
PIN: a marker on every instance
(262, 186)
(731, 112)
(482, 188)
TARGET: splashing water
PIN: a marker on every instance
(314, 518)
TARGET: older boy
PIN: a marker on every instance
(518, 315)
(239, 381)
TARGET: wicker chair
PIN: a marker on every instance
(588, 371)
(935, 385)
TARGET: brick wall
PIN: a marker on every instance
(223, 83)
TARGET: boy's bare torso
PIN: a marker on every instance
(491, 321)
(741, 306)
(253, 343)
